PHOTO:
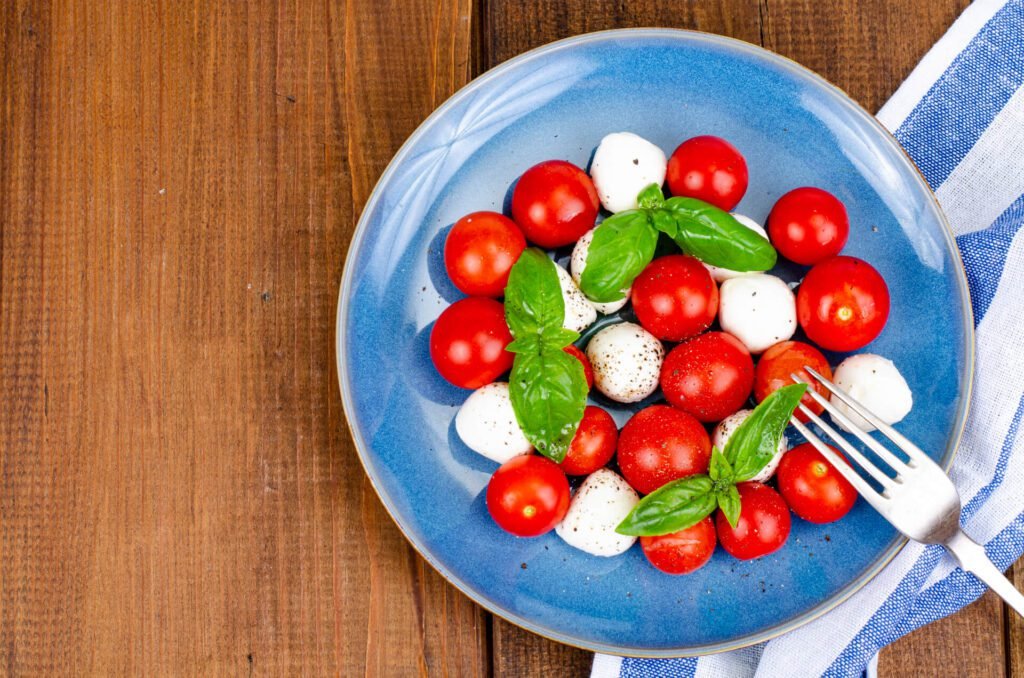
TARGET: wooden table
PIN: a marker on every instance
(178, 185)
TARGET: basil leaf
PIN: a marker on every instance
(548, 392)
(651, 197)
(729, 502)
(556, 337)
(533, 297)
(755, 441)
(622, 246)
(715, 237)
(676, 506)
(720, 469)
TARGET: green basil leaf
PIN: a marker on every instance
(676, 506)
(720, 469)
(665, 221)
(549, 392)
(527, 343)
(557, 337)
(715, 237)
(729, 502)
(651, 197)
(755, 441)
(533, 297)
(622, 246)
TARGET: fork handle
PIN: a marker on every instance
(972, 558)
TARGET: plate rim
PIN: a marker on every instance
(480, 598)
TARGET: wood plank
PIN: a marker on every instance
(512, 27)
(866, 47)
(178, 185)
(969, 643)
(1015, 627)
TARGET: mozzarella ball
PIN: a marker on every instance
(579, 262)
(602, 502)
(758, 309)
(728, 426)
(875, 383)
(579, 313)
(723, 274)
(627, 362)
(487, 424)
(625, 164)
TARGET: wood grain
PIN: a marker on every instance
(179, 182)
(178, 185)
(966, 644)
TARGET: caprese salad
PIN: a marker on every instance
(704, 342)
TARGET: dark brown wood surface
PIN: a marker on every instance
(178, 185)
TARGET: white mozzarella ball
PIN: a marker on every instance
(579, 312)
(875, 383)
(579, 262)
(728, 426)
(627, 362)
(758, 309)
(723, 274)
(602, 502)
(625, 164)
(487, 424)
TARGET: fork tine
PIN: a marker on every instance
(915, 453)
(862, 486)
(884, 453)
(850, 451)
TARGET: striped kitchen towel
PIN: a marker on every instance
(960, 115)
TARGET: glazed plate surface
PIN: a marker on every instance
(558, 102)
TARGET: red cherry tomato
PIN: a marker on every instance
(528, 495)
(763, 526)
(660, 444)
(709, 169)
(593, 446)
(588, 369)
(812, 487)
(842, 304)
(684, 551)
(675, 297)
(554, 203)
(479, 252)
(783, 359)
(468, 342)
(709, 376)
(808, 225)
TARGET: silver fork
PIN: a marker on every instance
(919, 499)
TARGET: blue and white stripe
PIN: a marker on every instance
(960, 115)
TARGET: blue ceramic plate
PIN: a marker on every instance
(558, 102)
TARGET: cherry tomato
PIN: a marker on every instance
(554, 203)
(660, 444)
(588, 369)
(675, 297)
(709, 376)
(593, 446)
(528, 495)
(468, 342)
(684, 551)
(763, 526)
(812, 487)
(479, 252)
(783, 359)
(842, 304)
(709, 169)
(808, 225)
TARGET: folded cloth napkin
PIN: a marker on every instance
(960, 115)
